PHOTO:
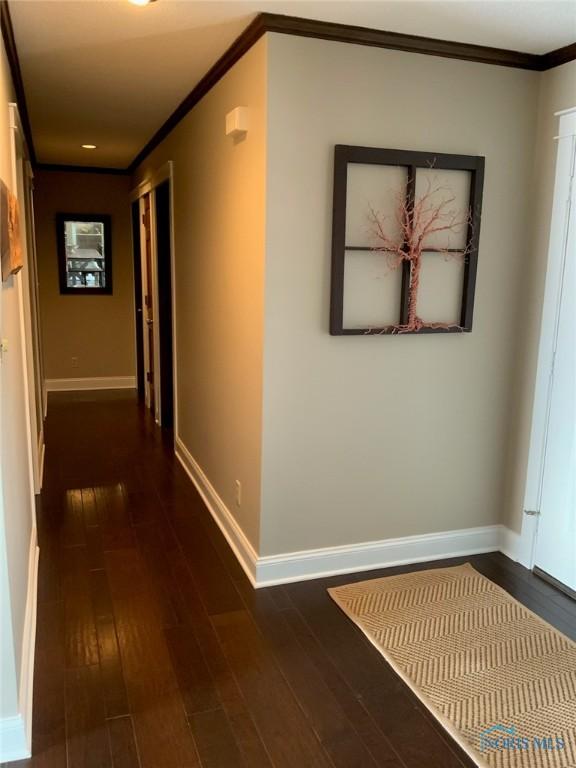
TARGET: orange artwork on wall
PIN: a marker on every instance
(10, 241)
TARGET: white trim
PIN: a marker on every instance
(232, 532)
(527, 542)
(511, 545)
(154, 178)
(173, 298)
(42, 454)
(21, 281)
(13, 744)
(29, 640)
(556, 258)
(16, 731)
(329, 561)
(234, 535)
(370, 555)
(153, 291)
(100, 382)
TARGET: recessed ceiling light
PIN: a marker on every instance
(88, 146)
(141, 2)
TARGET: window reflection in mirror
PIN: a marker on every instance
(84, 253)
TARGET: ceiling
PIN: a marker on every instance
(109, 73)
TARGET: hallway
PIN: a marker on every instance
(153, 650)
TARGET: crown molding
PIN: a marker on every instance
(16, 72)
(345, 33)
(287, 25)
(58, 167)
(558, 57)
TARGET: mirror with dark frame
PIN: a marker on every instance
(84, 253)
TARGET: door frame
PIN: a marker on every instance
(153, 179)
(135, 218)
(27, 284)
(546, 352)
(163, 243)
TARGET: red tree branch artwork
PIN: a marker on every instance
(422, 222)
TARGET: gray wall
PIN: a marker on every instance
(368, 438)
(219, 215)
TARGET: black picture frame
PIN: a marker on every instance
(411, 160)
(63, 270)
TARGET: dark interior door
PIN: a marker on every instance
(138, 297)
(163, 245)
(149, 305)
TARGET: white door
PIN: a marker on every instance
(555, 552)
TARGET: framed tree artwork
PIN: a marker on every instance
(405, 235)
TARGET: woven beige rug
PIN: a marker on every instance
(499, 679)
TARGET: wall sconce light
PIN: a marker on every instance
(237, 122)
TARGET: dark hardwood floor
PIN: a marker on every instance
(153, 651)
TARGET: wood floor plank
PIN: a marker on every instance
(113, 517)
(241, 719)
(162, 731)
(94, 548)
(49, 719)
(217, 590)
(268, 694)
(158, 547)
(335, 731)
(89, 509)
(80, 629)
(123, 743)
(73, 530)
(375, 740)
(87, 736)
(113, 686)
(216, 742)
(196, 683)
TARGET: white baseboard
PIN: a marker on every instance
(13, 743)
(29, 640)
(511, 544)
(329, 561)
(41, 454)
(16, 731)
(100, 382)
(370, 555)
(232, 532)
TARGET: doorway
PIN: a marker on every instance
(164, 267)
(137, 265)
(148, 270)
(153, 284)
(555, 405)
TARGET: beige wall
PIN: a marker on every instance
(16, 513)
(219, 210)
(368, 438)
(557, 91)
(98, 330)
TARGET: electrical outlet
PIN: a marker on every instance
(74, 362)
(238, 493)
